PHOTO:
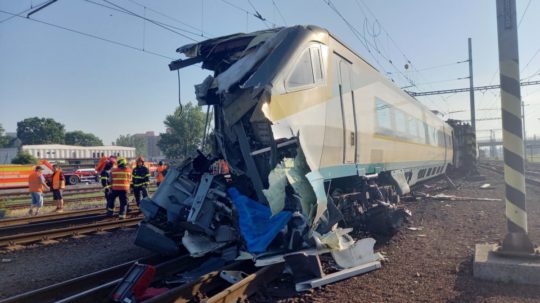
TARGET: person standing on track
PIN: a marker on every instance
(141, 179)
(36, 185)
(105, 178)
(58, 184)
(161, 172)
(120, 183)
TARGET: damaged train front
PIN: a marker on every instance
(258, 194)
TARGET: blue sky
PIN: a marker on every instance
(109, 90)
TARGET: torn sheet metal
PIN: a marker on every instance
(199, 245)
(338, 276)
(317, 183)
(277, 193)
(358, 253)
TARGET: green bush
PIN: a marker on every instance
(24, 158)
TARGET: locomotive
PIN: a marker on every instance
(306, 127)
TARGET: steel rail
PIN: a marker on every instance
(65, 193)
(98, 196)
(91, 286)
(212, 288)
(165, 269)
(248, 286)
(50, 217)
(53, 203)
(500, 171)
(67, 231)
(59, 223)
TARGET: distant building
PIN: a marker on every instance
(153, 153)
(8, 154)
(77, 156)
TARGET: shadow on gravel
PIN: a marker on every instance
(473, 290)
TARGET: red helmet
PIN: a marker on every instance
(140, 159)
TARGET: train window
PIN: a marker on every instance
(400, 121)
(421, 173)
(384, 118)
(440, 138)
(413, 127)
(432, 135)
(302, 73)
(317, 65)
(421, 132)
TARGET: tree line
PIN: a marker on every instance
(36, 130)
(184, 134)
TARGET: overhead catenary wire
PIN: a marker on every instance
(391, 39)
(161, 24)
(369, 46)
(279, 12)
(207, 35)
(497, 93)
(22, 12)
(151, 21)
(91, 36)
(255, 15)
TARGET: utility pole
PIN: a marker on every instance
(471, 86)
(524, 131)
(516, 239)
(516, 260)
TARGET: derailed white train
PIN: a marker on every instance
(307, 127)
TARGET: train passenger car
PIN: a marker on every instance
(304, 124)
(354, 120)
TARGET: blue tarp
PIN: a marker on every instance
(257, 225)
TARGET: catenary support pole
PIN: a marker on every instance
(471, 87)
(516, 239)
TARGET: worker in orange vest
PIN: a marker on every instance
(36, 185)
(120, 184)
(58, 184)
(161, 172)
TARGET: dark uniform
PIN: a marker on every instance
(105, 178)
(141, 180)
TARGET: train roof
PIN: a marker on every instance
(220, 53)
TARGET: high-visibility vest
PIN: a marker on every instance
(121, 178)
(57, 183)
(34, 183)
(160, 175)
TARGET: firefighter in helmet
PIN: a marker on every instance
(120, 183)
(141, 179)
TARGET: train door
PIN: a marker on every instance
(344, 79)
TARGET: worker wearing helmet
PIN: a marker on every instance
(161, 172)
(105, 178)
(120, 182)
(141, 179)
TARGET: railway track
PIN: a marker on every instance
(13, 238)
(95, 287)
(67, 199)
(67, 189)
(498, 168)
(53, 221)
(49, 217)
(211, 288)
(53, 203)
